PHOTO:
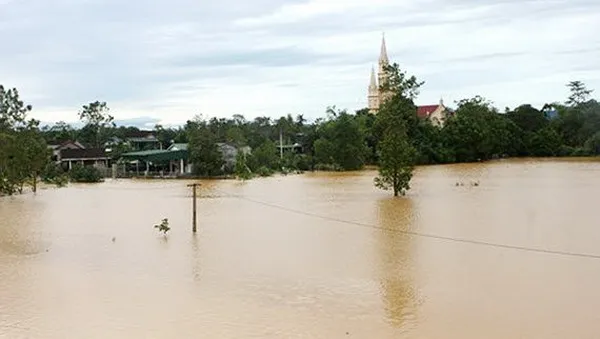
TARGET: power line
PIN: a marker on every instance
(422, 235)
(371, 226)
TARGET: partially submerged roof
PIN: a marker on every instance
(83, 154)
(157, 155)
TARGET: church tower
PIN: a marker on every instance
(376, 96)
(373, 93)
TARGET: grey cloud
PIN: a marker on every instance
(142, 122)
(271, 57)
(69, 52)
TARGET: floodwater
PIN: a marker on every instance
(309, 256)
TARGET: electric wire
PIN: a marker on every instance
(423, 235)
(372, 226)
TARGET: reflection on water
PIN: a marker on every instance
(395, 261)
(86, 262)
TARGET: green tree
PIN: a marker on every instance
(242, 171)
(23, 150)
(472, 133)
(396, 116)
(264, 156)
(396, 161)
(579, 93)
(342, 143)
(205, 155)
(98, 121)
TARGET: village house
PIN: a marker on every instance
(174, 160)
(436, 114)
(137, 141)
(69, 153)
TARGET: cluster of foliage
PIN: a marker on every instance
(85, 174)
(395, 139)
(23, 151)
(163, 226)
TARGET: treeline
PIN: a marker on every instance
(474, 131)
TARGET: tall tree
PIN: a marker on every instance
(579, 93)
(396, 159)
(205, 155)
(97, 119)
(342, 143)
(396, 115)
(23, 151)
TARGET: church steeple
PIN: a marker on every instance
(373, 95)
(373, 83)
(383, 57)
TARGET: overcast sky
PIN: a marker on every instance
(166, 61)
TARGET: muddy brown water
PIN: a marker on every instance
(273, 257)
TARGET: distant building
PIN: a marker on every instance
(85, 157)
(175, 159)
(137, 141)
(437, 114)
(230, 152)
(56, 149)
(550, 111)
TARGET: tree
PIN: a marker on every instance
(396, 161)
(23, 151)
(242, 171)
(264, 156)
(342, 144)
(395, 117)
(472, 134)
(98, 121)
(204, 152)
(579, 93)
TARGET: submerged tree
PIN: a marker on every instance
(396, 115)
(396, 162)
(163, 226)
(242, 171)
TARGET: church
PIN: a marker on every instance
(437, 114)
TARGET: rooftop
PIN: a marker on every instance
(87, 153)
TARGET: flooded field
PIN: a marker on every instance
(309, 256)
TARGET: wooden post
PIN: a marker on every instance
(194, 185)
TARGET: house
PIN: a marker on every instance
(136, 140)
(56, 149)
(436, 114)
(142, 140)
(173, 160)
(550, 111)
(229, 153)
(84, 156)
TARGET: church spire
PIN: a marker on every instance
(373, 84)
(383, 57)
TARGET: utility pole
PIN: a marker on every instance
(280, 144)
(194, 185)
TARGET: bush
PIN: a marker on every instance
(54, 174)
(328, 167)
(85, 174)
(264, 171)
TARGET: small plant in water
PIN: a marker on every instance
(163, 226)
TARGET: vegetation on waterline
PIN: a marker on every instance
(475, 131)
